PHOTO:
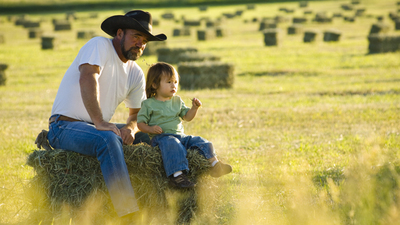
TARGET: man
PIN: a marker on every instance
(103, 75)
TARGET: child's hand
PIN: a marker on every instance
(155, 129)
(196, 103)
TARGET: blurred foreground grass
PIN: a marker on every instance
(312, 130)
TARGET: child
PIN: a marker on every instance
(161, 115)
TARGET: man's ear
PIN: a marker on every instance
(120, 33)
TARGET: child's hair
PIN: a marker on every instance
(156, 71)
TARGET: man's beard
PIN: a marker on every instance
(129, 54)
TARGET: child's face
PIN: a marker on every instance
(168, 86)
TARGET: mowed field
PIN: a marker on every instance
(312, 130)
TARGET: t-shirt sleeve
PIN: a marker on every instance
(94, 52)
(137, 93)
(144, 114)
(184, 109)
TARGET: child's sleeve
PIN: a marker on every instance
(184, 109)
(143, 114)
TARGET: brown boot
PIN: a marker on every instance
(220, 169)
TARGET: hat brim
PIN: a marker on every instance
(113, 23)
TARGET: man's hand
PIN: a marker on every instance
(127, 135)
(107, 126)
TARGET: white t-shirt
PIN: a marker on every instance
(118, 82)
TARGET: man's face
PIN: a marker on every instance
(132, 44)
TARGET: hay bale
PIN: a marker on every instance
(267, 24)
(303, 4)
(35, 33)
(203, 8)
(379, 43)
(94, 15)
(20, 21)
(184, 31)
(152, 46)
(322, 18)
(168, 16)
(393, 16)
(70, 15)
(347, 7)
(156, 22)
(3, 77)
(239, 12)
(69, 178)
(171, 55)
(2, 39)
(355, 2)
(31, 24)
(337, 15)
(332, 35)
(379, 28)
(206, 34)
(203, 75)
(295, 29)
(299, 19)
(310, 36)
(48, 42)
(272, 36)
(192, 23)
(287, 10)
(397, 24)
(349, 18)
(229, 15)
(211, 23)
(197, 57)
(60, 25)
(220, 32)
(250, 6)
(308, 11)
(281, 19)
(85, 34)
(360, 12)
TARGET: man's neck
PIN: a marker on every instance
(117, 46)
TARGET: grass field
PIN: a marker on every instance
(312, 130)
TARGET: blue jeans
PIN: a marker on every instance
(106, 146)
(174, 150)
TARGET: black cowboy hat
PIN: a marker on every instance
(136, 19)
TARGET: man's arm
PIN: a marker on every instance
(128, 132)
(89, 85)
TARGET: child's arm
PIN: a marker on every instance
(196, 104)
(149, 129)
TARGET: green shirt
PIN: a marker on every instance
(166, 115)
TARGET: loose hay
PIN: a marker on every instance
(66, 178)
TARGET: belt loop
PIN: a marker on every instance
(57, 117)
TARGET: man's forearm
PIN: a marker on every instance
(131, 123)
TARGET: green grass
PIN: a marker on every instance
(312, 130)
